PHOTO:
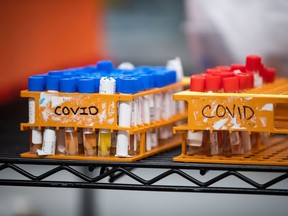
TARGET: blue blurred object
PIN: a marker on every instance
(36, 83)
(68, 85)
(86, 85)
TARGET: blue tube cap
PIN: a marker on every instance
(56, 73)
(147, 79)
(68, 85)
(127, 85)
(86, 85)
(171, 76)
(160, 80)
(36, 83)
(52, 83)
(105, 66)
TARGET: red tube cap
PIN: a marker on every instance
(270, 74)
(223, 68)
(253, 63)
(262, 70)
(213, 71)
(225, 74)
(244, 81)
(197, 83)
(213, 83)
(240, 67)
(231, 84)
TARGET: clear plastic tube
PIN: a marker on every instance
(196, 144)
(36, 140)
(49, 142)
(71, 141)
(89, 141)
(235, 141)
(104, 143)
(123, 137)
(231, 84)
(134, 144)
(60, 145)
(80, 142)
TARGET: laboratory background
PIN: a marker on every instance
(39, 36)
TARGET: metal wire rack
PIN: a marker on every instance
(107, 175)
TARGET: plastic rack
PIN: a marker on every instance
(261, 109)
(105, 105)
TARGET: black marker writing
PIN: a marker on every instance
(244, 112)
(91, 110)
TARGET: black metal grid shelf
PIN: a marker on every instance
(191, 177)
(108, 174)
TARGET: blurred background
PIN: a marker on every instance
(38, 36)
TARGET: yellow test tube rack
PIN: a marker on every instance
(97, 111)
(263, 109)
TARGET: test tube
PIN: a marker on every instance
(87, 86)
(145, 110)
(53, 85)
(35, 84)
(254, 65)
(195, 142)
(53, 141)
(160, 80)
(71, 141)
(170, 77)
(231, 84)
(126, 117)
(244, 80)
(176, 65)
(68, 85)
(136, 114)
(213, 84)
(89, 141)
(107, 86)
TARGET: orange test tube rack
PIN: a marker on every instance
(263, 109)
(97, 111)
